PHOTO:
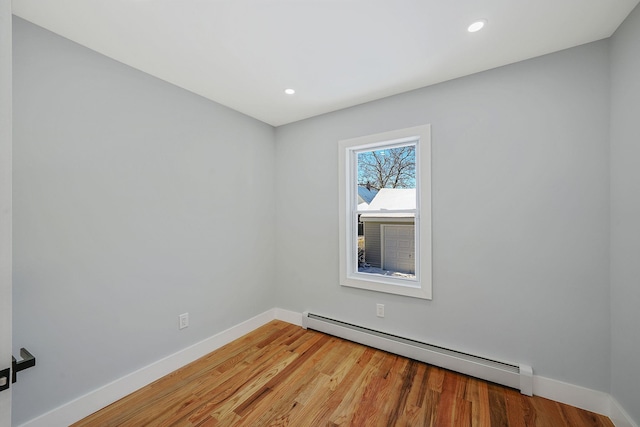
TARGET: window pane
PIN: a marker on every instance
(388, 168)
(386, 184)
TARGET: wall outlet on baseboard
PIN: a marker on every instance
(183, 320)
(380, 310)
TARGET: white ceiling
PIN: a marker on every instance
(334, 53)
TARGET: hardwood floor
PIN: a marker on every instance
(283, 375)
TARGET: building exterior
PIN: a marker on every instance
(389, 238)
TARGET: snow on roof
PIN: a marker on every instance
(392, 199)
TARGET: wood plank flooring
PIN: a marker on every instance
(283, 375)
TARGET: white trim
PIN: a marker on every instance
(583, 398)
(570, 394)
(619, 416)
(85, 405)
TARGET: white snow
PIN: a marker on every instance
(380, 271)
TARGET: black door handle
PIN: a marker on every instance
(28, 361)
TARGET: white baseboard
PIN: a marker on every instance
(583, 398)
(580, 397)
(591, 400)
(288, 316)
(83, 406)
(619, 416)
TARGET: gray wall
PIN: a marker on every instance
(520, 164)
(5, 202)
(625, 215)
(134, 201)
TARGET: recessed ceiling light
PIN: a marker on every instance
(289, 91)
(477, 26)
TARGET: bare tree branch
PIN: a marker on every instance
(388, 168)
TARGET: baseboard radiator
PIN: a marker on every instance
(511, 375)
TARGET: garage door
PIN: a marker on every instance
(398, 248)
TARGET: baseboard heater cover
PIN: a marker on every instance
(511, 375)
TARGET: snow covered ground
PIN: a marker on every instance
(376, 270)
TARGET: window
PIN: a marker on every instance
(385, 212)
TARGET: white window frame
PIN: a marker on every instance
(421, 287)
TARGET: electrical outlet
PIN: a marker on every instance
(380, 310)
(183, 320)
